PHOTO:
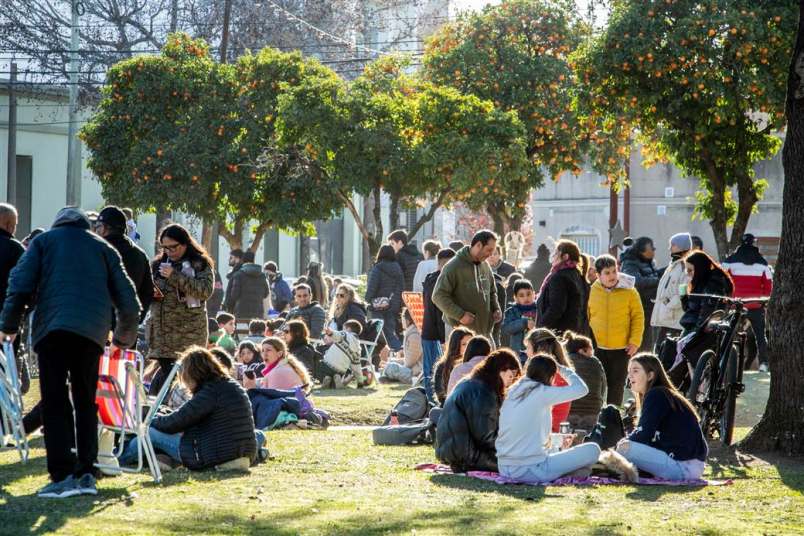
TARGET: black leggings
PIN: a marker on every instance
(615, 363)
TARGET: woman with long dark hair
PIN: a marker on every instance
(384, 294)
(476, 351)
(315, 278)
(561, 296)
(467, 428)
(184, 280)
(453, 353)
(704, 276)
(297, 337)
(526, 424)
(668, 441)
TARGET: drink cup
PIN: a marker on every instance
(555, 442)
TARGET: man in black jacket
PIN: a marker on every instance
(10, 252)
(407, 255)
(247, 291)
(76, 280)
(433, 329)
(111, 225)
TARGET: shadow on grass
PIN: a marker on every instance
(324, 393)
(517, 491)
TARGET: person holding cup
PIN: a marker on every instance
(704, 276)
(525, 445)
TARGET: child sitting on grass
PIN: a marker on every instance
(584, 411)
(341, 361)
(520, 318)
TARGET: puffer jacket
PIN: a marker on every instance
(138, 269)
(409, 258)
(76, 280)
(616, 315)
(353, 311)
(560, 303)
(216, 425)
(386, 280)
(313, 316)
(667, 311)
(645, 274)
(697, 310)
(433, 328)
(247, 290)
(173, 326)
(467, 428)
(467, 286)
(10, 252)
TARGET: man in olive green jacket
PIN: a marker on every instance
(465, 291)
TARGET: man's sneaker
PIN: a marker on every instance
(763, 367)
(60, 490)
(86, 485)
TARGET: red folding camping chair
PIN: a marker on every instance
(121, 399)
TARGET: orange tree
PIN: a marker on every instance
(516, 55)
(704, 82)
(181, 132)
(387, 132)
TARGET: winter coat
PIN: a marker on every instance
(539, 268)
(280, 292)
(591, 371)
(667, 311)
(216, 425)
(560, 303)
(646, 276)
(412, 349)
(462, 370)
(515, 325)
(751, 275)
(616, 315)
(138, 269)
(10, 252)
(353, 311)
(386, 280)
(313, 315)
(696, 309)
(215, 302)
(247, 290)
(174, 326)
(466, 286)
(467, 428)
(409, 258)
(504, 269)
(433, 328)
(424, 269)
(306, 354)
(439, 385)
(75, 279)
(282, 376)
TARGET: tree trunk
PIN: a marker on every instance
(747, 199)
(427, 216)
(377, 235)
(498, 216)
(304, 253)
(781, 428)
(163, 218)
(393, 213)
(719, 217)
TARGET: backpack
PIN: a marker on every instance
(413, 406)
(609, 428)
(412, 433)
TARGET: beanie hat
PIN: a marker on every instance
(682, 241)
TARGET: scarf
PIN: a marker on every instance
(271, 366)
(554, 270)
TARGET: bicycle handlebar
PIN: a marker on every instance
(742, 301)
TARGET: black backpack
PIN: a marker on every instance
(609, 428)
(412, 407)
(412, 433)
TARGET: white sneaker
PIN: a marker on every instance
(338, 379)
(763, 367)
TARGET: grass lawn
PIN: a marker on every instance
(337, 482)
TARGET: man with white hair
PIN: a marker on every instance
(10, 249)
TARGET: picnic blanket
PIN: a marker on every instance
(567, 480)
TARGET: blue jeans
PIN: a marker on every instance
(431, 351)
(166, 443)
(659, 463)
(555, 465)
(389, 318)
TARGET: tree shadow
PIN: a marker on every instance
(523, 492)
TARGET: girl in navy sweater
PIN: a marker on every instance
(667, 441)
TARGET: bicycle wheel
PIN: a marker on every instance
(730, 406)
(698, 392)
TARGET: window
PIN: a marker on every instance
(588, 239)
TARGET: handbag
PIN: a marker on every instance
(382, 303)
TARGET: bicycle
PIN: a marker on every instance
(717, 379)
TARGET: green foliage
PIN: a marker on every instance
(182, 132)
(516, 55)
(703, 81)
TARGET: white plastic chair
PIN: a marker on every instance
(11, 404)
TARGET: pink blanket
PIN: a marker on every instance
(567, 480)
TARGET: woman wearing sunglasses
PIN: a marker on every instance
(183, 277)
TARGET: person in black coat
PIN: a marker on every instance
(10, 249)
(561, 298)
(706, 277)
(296, 336)
(407, 255)
(467, 426)
(347, 306)
(247, 290)
(638, 262)
(214, 427)
(111, 225)
(433, 328)
(384, 294)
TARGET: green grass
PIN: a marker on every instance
(337, 482)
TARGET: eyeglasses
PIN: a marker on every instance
(340, 295)
(172, 248)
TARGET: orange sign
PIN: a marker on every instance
(414, 301)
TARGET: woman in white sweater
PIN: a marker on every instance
(523, 441)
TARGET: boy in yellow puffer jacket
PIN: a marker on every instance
(618, 322)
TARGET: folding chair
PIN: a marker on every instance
(121, 399)
(370, 345)
(11, 410)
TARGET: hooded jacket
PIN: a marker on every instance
(561, 302)
(409, 258)
(280, 292)
(698, 309)
(667, 310)
(138, 269)
(78, 280)
(10, 252)
(247, 290)
(616, 315)
(751, 274)
(467, 428)
(467, 286)
(385, 280)
(644, 272)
